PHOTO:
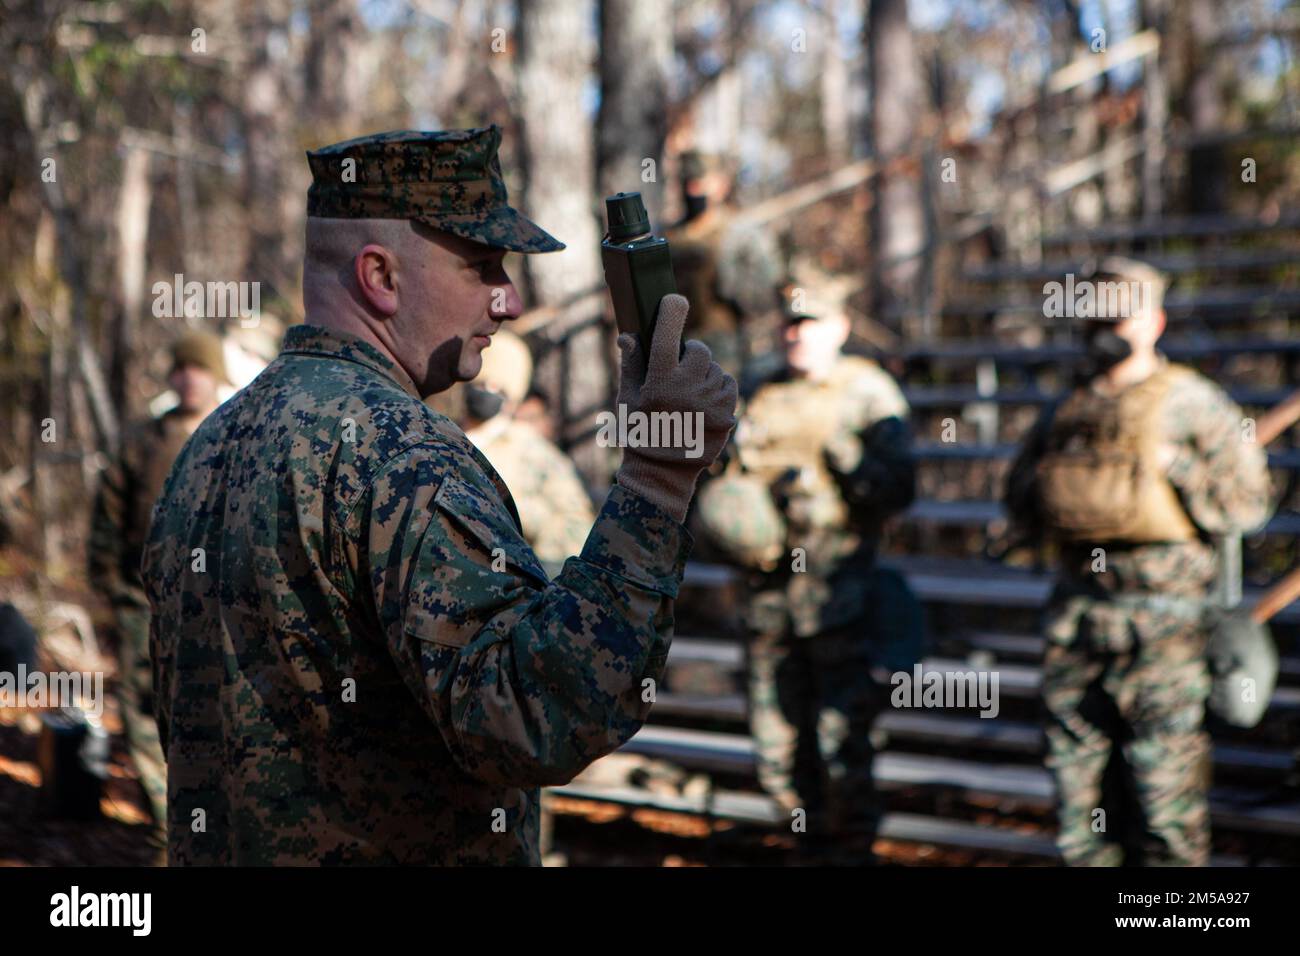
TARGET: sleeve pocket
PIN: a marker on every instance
(473, 569)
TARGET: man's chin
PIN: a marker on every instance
(471, 363)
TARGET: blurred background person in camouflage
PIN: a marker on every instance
(728, 269)
(535, 409)
(554, 508)
(123, 507)
(821, 457)
(1131, 474)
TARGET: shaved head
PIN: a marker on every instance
(332, 247)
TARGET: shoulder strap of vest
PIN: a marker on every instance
(850, 365)
(1174, 372)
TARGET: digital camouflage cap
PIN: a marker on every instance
(448, 179)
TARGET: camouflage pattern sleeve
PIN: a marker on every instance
(1220, 472)
(527, 682)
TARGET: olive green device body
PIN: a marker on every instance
(638, 267)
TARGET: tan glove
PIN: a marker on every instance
(693, 386)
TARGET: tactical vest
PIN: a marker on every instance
(1100, 478)
(694, 248)
(785, 431)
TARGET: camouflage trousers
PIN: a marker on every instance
(811, 705)
(135, 699)
(1125, 687)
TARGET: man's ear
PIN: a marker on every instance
(375, 271)
(1158, 322)
(841, 320)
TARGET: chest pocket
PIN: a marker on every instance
(1100, 479)
(473, 567)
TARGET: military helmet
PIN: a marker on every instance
(737, 514)
(507, 367)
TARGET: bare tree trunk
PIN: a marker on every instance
(555, 63)
(331, 67)
(558, 151)
(898, 211)
(1198, 75)
(1155, 112)
(41, 126)
(836, 120)
(1065, 32)
(186, 195)
(267, 111)
(51, 421)
(132, 236)
(635, 60)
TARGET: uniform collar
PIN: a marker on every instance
(1162, 364)
(314, 340)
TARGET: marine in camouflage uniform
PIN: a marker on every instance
(821, 458)
(128, 488)
(1125, 677)
(729, 270)
(554, 509)
(373, 667)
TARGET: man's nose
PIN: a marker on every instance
(506, 303)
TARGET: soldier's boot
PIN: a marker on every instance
(849, 701)
(853, 807)
(782, 724)
(1172, 773)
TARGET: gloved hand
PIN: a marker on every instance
(843, 452)
(694, 385)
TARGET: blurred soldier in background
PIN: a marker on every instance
(554, 508)
(728, 270)
(1131, 474)
(821, 458)
(128, 489)
(535, 409)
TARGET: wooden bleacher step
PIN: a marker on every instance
(1287, 459)
(1219, 260)
(962, 581)
(974, 350)
(1031, 786)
